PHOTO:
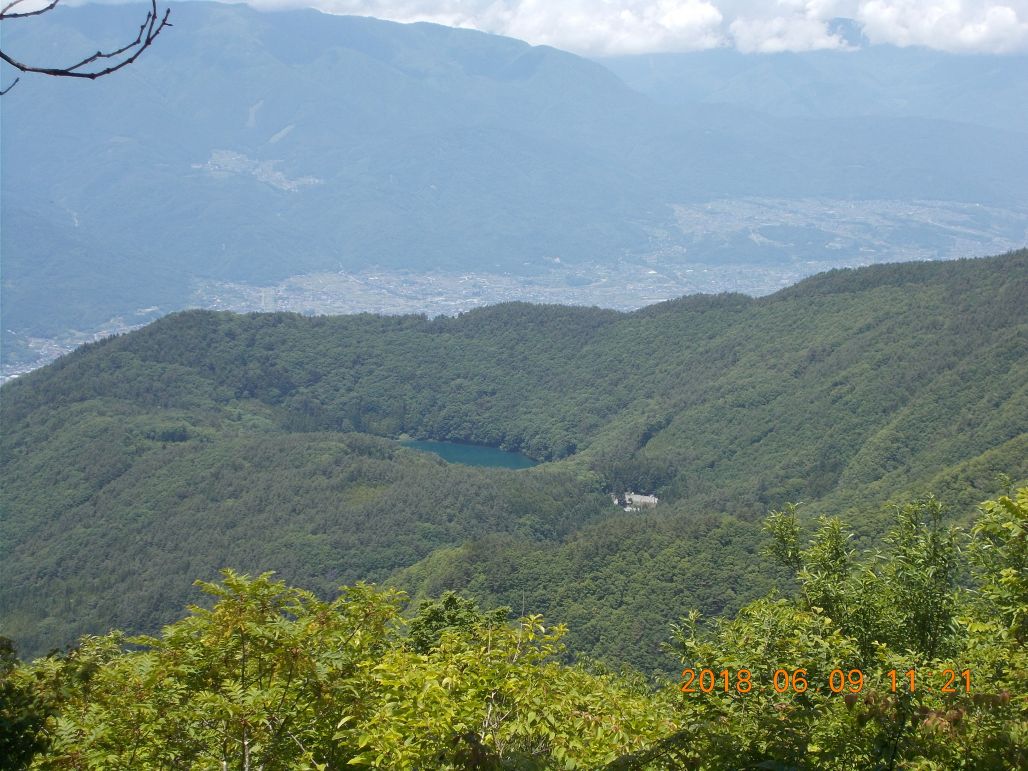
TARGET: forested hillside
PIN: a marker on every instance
(138, 464)
(912, 656)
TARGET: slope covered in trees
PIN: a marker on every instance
(880, 660)
(137, 464)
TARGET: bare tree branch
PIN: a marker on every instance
(151, 27)
(6, 14)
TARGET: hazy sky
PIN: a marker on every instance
(637, 26)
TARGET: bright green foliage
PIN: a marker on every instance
(903, 597)
(499, 690)
(917, 580)
(895, 610)
(272, 678)
(784, 528)
(252, 682)
(451, 612)
(762, 725)
(1000, 554)
(22, 713)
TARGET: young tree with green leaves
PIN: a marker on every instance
(882, 662)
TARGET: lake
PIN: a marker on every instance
(472, 454)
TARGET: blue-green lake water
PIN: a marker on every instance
(472, 454)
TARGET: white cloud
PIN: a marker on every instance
(782, 33)
(948, 24)
(584, 26)
(618, 27)
(600, 27)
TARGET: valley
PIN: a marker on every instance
(718, 246)
(390, 168)
(845, 391)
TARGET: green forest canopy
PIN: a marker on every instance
(139, 463)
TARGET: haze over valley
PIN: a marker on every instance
(299, 161)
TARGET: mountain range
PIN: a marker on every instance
(246, 147)
(267, 442)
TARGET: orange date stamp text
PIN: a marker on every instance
(785, 680)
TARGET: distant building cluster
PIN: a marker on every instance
(634, 501)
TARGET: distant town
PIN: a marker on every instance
(751, 245)
(625, 287)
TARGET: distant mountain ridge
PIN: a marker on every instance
(248, 147)
(871, 81)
